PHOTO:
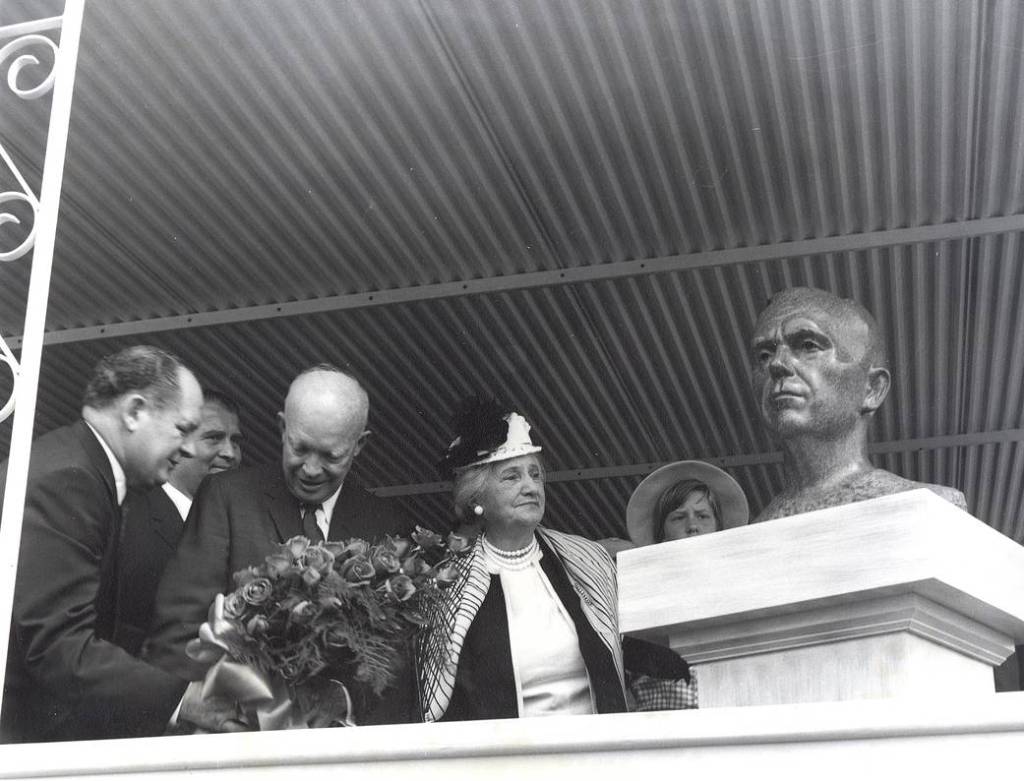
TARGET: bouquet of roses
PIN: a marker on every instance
(314, 620)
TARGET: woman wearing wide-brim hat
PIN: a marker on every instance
(684, 499)
(679, 500)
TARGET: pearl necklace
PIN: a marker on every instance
(511, 559)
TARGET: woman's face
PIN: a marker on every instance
(694, 516)
(513, 495)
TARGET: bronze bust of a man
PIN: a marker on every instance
(819, 372)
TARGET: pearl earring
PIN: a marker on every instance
(478, 510)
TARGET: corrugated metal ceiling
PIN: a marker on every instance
(229, 155)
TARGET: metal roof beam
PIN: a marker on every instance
(604, 271)
(750, 459)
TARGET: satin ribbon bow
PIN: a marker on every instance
(265, 700)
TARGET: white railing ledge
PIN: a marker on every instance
(942, 735)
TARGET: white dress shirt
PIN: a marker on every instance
(181, 500)
(324, 513)
(120, 480)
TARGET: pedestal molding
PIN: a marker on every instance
(864, 618)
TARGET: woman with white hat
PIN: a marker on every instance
(682, 500)
(529, 628)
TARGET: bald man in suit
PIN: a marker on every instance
(238, 517)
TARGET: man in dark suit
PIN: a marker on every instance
(154, 518)
(238, 517)
(65, 679)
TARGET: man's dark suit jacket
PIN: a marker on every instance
(152, 528)
(65, 679)
(237, 518)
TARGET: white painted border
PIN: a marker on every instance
(977, 732)
(35, 311)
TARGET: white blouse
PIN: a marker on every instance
(551, 677)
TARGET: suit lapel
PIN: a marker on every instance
(283, 509)
(98, 456)
(167, 523)
(106, 593)
(338, 528)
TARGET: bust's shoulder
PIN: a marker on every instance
(879, 482)
(858, 488)
(950, 494)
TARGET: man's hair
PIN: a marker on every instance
(140, 369)
(875, 350)
(215, 396)
(674, 496)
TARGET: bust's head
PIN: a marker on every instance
(818, 364)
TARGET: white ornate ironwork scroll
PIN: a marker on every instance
(28, 78)
(19, 58)
(12, 363)
(25, 43)
(25, 195)
(61, 80)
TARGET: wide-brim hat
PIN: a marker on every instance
(644, 502)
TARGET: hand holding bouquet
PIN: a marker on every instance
(314, 620)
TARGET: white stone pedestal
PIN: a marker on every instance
(900, 596)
